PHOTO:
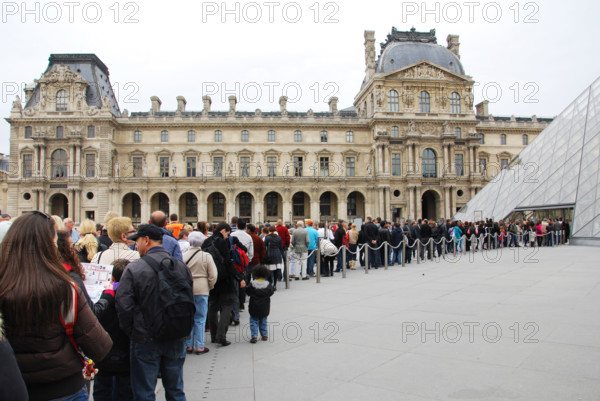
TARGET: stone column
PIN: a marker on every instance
(202, 207)
(388, 202)
(145, 207)
(447, 202)
(42, 205)
(287, 208)
(174, 204)
(379, 160)
(410, 159)
(72, 206)
(419, 204)
(412, 212)
(77, 161)
(445, 161)
(314, 209)
(77, 205)
(342, 206)
(453, 200)
(43, 171)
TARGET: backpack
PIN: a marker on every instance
(175, 317)
(238, 256)
(209, 247)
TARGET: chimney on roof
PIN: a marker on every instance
(181, 102)
(482, 108)
(29, 88)
(369, 54)
(232, 103)
(155, 104)
(207, 102)
(333, 102)
(283, 105)
(453, 44)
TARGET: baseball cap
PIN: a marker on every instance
(147, 230)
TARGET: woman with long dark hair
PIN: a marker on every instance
(35, 292)
(71, 262)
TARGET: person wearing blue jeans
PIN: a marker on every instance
(148, 360)
(197, 336)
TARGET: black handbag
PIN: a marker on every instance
(267, 259)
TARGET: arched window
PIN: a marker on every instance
(429, 163)
(61, 100)
(525, 140)
(218, 136)
(393, 101)
(297, 136)
(502, 139)
(424, 102)
(454, 103)
(457, 132)
(59, 164)
(395, 132)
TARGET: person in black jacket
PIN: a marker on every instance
(113, 371)
(384, 236)
(260, 291)
(372, 236)
(397, 236)
(338, 241)
(222, 296)
(426, 234)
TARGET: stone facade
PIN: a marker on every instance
(410, 147)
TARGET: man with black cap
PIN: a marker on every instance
(137, 301)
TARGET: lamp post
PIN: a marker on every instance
(258, 218)
(228, 218)
(291, 217)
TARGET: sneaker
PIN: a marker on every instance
(304, 278)
(253, 340)
(265, 338)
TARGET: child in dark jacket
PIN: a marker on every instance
(112, 381)
(259, 290)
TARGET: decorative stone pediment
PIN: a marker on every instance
(59, 79)
(425, 70)
(428, 128)
(136, 153)
(164, 153)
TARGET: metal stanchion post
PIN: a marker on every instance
(431, 241)
(318, 264)
(454, 245)
(444, 248)
(366, 251)
(489, 242)
(418, 250)
(343, 261)
(286, 276)
(385, 252)
(403, 251)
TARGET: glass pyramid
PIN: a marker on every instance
(560, 168)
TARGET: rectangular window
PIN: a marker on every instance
(190, 166)
(60, 132)
(164, 136)
(27, 165)
(503, 164)
(90, 165)
(137, 166)
(271, 136)
(137, 137)
(395, 132)
(297, 136)
(28, 132)
(218, 166)
(459, 161)
(91, 131)
(245, 136)
(245, 166)
(350, 166)
(191, 136)
(218, 136)
(396, 166)
(271, 166)
(298, 172)
(324, 166)
(350, 137)
(164, 167)
(323, 136)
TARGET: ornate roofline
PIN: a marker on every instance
(409, 36)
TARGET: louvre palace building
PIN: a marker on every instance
(412, 145)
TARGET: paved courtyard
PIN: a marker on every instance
(515, 326)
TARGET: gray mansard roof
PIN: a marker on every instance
(93, 70)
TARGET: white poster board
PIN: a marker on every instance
(96, 277)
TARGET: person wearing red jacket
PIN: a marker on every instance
(284, 234)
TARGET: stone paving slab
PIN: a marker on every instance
(518, 325)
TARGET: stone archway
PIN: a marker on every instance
(430, 203)
(132, 207)
(59, 205)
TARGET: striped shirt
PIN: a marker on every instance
(117, 250)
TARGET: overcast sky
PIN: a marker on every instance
(527, 57)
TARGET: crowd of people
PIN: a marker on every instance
(52, 329)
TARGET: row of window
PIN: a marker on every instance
(524, 138)
(429, 167)
(424, 102)
(60, 132)
(245, 137)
